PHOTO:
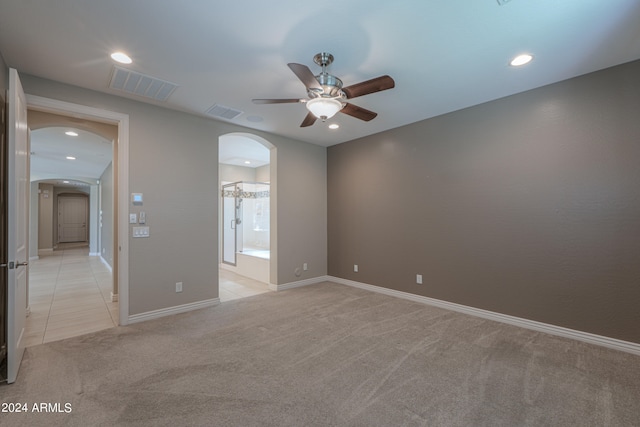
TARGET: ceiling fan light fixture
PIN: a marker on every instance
(324, 108)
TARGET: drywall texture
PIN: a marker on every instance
(45, 216)
(41, 119)
(107, 218)
(4, 77)
(528, 205)
(173, 161)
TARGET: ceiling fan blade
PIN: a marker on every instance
(305, 75)
(276, 101)
(370, 86)
(309, 120)
(358, 112)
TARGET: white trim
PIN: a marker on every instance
(114, 297)
(122, 121)
(305, 282)
(155, 314)
(34, 258)
(600, 340)
(94, 253)
(106, 264)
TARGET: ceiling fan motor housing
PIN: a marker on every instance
(331, 85)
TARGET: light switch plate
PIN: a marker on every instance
(133, 218)
(140, 231)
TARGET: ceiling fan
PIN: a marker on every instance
(326, 94)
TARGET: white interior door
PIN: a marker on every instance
(18, 223)
(72, 219)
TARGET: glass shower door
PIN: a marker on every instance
(231, 218)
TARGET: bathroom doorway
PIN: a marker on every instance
(246, 213)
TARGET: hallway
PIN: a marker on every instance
(69, 295)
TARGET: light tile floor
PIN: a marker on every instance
(234, 286)
(69, 295)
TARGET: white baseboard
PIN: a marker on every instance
(47, 251)
(104, 261)
(114, 297)
(155, 314)
(34, 258)
(600, 340)
(94, 253)
(305, 282)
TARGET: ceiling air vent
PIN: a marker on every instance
(223, 112)
(140, 84)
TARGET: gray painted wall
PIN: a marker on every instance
(173, 160)
(34, 208)
(233, 173)
(528, 205)
(106, 206)
(4, 76)
(45, 217)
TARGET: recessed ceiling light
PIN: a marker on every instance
(70, 158)
(334, 126)
(521, 60)
(247, 162)
(65, 182)
(121, 57)
(71, 133)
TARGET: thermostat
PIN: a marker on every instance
(136, 198)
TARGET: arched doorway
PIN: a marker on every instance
(248, 242)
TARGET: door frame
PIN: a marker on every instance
(121, 202)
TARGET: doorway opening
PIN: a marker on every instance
(95, 120)
(71, 290)
(247, 215)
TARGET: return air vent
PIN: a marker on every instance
(140, 84)
(223, 112)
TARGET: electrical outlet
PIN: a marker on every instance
(178, 286)
(419, 279)
(355, 268)
(305, 267)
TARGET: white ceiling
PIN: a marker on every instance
(443, 55)
(51, 146)
(237, 150)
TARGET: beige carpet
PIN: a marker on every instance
(325, 355)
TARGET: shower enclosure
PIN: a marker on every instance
(245, 217)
